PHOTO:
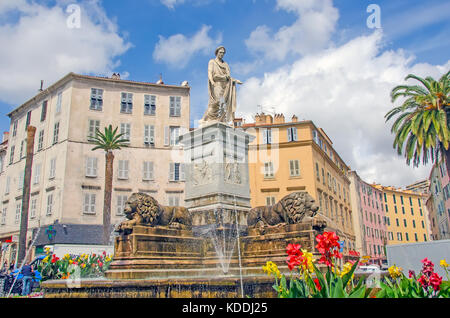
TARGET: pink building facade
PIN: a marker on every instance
(372, 221)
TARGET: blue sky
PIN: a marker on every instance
(270, 45)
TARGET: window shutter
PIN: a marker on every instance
(92, 205)
(289, 130)
(166, 136)
(294, 133)
(264, 135)
(182, 175)
(178, 107)
(269, 136)
(172, 172)
(94, 166)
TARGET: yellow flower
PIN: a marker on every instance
(272, 268)
(307, 268)
(443, 263)
(70, 261)
(83, 265)
(395, 271)
(346, 269)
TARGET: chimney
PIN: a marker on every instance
(115, 76)
(160, 81)
(42, 86)
(5, 136)
(279, 119)
(294, 119)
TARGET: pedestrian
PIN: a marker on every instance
(27, 280)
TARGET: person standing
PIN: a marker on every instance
(27, 280)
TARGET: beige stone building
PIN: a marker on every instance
(67, 181)
(298, 156)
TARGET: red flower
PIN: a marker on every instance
(316, 281)
(435, 281)
(100, 264)
(424, 281)
(353, 253)
(293, 249)
(328, 246)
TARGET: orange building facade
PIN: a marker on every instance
(286, 157)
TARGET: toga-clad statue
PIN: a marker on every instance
(222, 90)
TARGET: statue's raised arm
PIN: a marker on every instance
(222, 90)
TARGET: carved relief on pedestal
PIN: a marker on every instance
(232, 173)
(202, 173)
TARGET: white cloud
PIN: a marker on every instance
(39, 45)
(177, 50)
(346, 91)
(171, 3)
(316, 21)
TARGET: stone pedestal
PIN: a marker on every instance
(217, 179)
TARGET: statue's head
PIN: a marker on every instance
(220, 51)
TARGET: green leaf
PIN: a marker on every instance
(324, 291)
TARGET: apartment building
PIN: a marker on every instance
(406, 215)
(67, 182)
(286, 157)
(369, 219)
(440, 201)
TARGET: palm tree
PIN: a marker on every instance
(422, 125)
(108, 141)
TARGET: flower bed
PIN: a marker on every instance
(308, 281)
(81, 266)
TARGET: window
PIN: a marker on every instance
(149, 105)
(49, 204)
(149, 135)
(91, 167)
(147, 173)
(412, 211)
(33, 208)
(173, 199)
(270, 201)
(175, 106)
(401, 199)
(21, 180)
(395, 201)
(176, 171)
(14, 130)
(294, 168)
(89, 203)
(52, 168)
(174, 136)
(126, 105)
(125, 129)
(58, 103)
(121, 200)
(96, 99)
(395, 208)
(425, 237)
(396, 221)
(123, 169)
(55, 133)
(27, 123)
(266, 135)
(399, 236)
(11, 155)
(93, 126)
(317, 172)
(423, 224)
(386, 208)
(404, 223)
(418, 200)
(24, 142)
(3, 221)
(41, 140)
(414, 223)
(292, 134)
(268, 170)
(323, 176)
(407, 236)
(8, 183)
(403, 210)
(44, 110)
(18, 212)
(37, 173)
(421, 214)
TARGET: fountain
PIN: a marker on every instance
(216, 245)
